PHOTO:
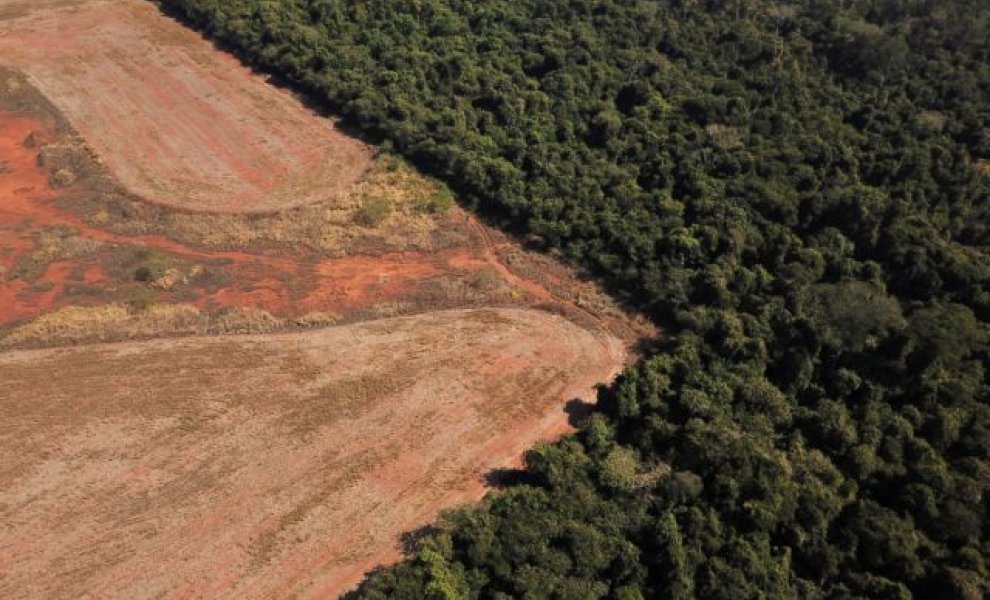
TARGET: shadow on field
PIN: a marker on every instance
(410, 542)
(501, 479)
(578, 411)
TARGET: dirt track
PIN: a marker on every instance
(177, 122)
(268, 466)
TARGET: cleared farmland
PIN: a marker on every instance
(177, 122)
(268, 466)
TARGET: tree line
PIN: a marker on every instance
(797, 192)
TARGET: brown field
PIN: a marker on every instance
(175, 121)
(268, 466)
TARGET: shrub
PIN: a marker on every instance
(140, 298)
(373, 212)
(437, 202)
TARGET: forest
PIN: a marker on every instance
(797, 192)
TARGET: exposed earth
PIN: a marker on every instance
(176, 121)
(268, 466)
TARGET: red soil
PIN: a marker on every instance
(27, 207)
(23, 190)
(285, 285)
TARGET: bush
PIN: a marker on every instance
(152, 265)
(437, 202)
(373, 212)
(143, 273)
(139, 299)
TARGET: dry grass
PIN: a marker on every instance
(416, 219)
(117, 322)
(51, 245)
(77, 324)
(485, 287)
(345, 398)
(18, 95)
(563, 282)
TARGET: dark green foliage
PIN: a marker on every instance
(143, 273)
(798, 192)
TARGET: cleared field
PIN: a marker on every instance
(268, 466)
(175, 121)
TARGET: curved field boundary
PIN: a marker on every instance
(176, 121)
(268, 466)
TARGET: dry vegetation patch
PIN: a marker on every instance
(340, 227)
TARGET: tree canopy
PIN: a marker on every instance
(797, 192)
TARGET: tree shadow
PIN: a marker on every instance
(578, 411)
(410, 540)
(362, 587)
(500, 479)
(650, 346)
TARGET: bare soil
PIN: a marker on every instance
(177, 122)
(268, 466)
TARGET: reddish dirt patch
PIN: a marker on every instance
(288, 284)
(268, 466)
(177, 122)
(27, 208)
(23, 186)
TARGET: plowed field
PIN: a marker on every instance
(268, 466)
(177, 122)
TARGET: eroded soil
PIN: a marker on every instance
(52, 258)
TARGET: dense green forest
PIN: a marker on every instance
(797, 192)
